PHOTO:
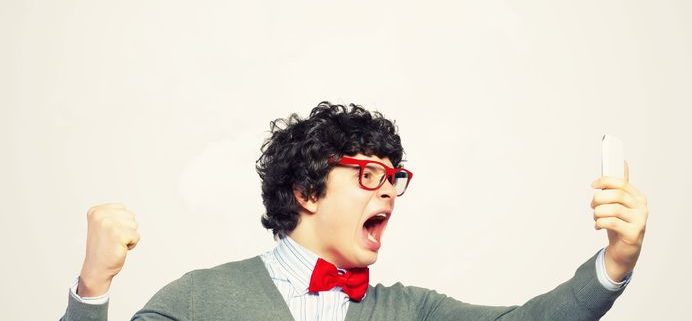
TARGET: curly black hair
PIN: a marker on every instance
(296, 155)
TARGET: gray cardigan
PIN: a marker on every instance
(243, 290)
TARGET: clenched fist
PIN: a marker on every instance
(112, 231)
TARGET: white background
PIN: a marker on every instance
(163, 105)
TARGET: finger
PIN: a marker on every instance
(107, 208)
(612, 224)
(119, 219)
(609, 196)
(130, 239)
(607, 182)
(613, 210)
(132, 245)
(123, 216)
(129, 225)
(120, 206)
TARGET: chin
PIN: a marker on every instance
(366, 259)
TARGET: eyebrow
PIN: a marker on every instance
(372, 167)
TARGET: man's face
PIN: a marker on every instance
(340, 219)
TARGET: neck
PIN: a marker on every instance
(304, 234)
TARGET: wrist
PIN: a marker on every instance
(616, 271)
(93, 284)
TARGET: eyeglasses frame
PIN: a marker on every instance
(362, 163)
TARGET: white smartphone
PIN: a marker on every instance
(612, 157)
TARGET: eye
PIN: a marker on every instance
(368, 173)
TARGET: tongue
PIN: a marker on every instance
(372, 238)
(370, 241)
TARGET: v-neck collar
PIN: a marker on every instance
(275, 298)
(297, 263)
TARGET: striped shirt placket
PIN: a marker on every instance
(290, 267)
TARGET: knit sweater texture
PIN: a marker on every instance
(243, 290)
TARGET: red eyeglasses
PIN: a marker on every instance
(373, 174)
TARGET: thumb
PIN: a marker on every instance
(627, 172)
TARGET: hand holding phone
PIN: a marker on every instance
(621, 209)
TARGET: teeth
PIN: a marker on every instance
(372, 238)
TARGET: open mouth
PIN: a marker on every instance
(373, 229)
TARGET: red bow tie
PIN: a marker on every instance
(354, 282)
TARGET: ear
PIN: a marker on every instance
(309, 204)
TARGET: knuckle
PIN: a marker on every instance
(599, 210)
(620, 194)
(106, 223)
(605, 223)
(613, 208)
(619, 208)
(604, 209)
(93, 210)
(625, 216)
(596, 200)
(98, 218)
(596, 216)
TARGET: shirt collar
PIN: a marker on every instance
(297, 262)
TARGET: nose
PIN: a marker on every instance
(387, 190)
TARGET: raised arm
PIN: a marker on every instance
(111, 233)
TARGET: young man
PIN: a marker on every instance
(329, 184)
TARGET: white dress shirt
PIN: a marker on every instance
(290, 267)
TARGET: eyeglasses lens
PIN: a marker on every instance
(400, 182)
(373, 175)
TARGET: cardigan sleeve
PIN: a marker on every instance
(172, 303)
(81, 311)
(581, 298)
